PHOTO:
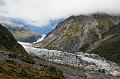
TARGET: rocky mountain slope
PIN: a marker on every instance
(87, 33)
(22, 33)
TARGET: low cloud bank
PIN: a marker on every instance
(41, 12)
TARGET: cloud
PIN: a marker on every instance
(41, 12)
(1, 3)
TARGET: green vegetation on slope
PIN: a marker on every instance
(110, 49)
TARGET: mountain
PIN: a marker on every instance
(22, 33)
(9, 43)
(95, 33)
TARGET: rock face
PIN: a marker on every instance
(9, 43)
(85, 33)
(21, 33)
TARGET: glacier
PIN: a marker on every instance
(78, 59)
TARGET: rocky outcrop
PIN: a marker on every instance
(82, 33)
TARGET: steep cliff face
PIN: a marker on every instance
(82, 33)
(9, 43)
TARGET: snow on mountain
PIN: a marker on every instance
(80, 59)
(39, 40)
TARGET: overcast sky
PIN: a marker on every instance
(42, 11)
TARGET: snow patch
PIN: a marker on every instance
(39, 40)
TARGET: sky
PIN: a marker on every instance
(42, 12)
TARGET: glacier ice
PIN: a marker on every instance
(88, 61)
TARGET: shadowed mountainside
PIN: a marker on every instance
(9, 43)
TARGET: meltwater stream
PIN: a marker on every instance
(79, 59)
